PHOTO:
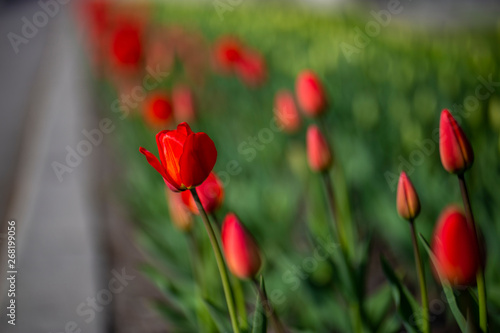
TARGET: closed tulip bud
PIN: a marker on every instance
(286, 112)
(455, 248)
(407, 201)
(211, 194)
(179, 213)
(157, 110)
(454, 147)
(310, 94)
(183, 104)
(318, 151)
(241, 251)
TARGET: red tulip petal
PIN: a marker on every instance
(153, 161)
(455, 150)
(197, 160)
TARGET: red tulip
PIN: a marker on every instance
(318, 151)
(251, 68)
(227, 52)
(126, 45)
(454, 147)
(187, 158)
(241, 251)
(157, 110)
(455, 247)
(182, 99)
(211, 193)
(181, 217)
(407, 201)
(310, 93)
(285, 111)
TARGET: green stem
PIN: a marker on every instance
(220, 262)
(332, 203)
(481, 284)
(421, 279)
(266, 304)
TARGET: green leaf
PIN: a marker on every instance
(219, 316)
(448, 291)
(405, 303)
(174, 316)
(377, 305)
(259, 317)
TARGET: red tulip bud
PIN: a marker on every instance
(407, 201)
(157, 110)
(454, 147)
(285, 111)
(310, 93)
(318, 151)
(181, 217)
(241, 251)
(183, 104)
(211, 194)
(455, 247)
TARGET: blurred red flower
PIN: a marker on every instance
(318, 151)
(181, 217)
(187, 158)
(157, 110)
(310, 94)
(251, 69)
(183, 103)
(227, 52)
(286, 112)
(211, 193)
(241, 252)
(455, 247)
(126, 45)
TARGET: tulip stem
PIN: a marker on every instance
(220, 262)
(481, 284)
(421, 279)
(333, 207)
(266, 304)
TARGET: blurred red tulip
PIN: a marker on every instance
(160, 53)
(454, 147)
(241, 251)
(318, 151)
(227, 52)
(183, 103)
(187, 158)
(126, 45)
(251, 69)
(157, 110)
(181, 217)
(407, 201)
(310, 94)
(455, 247)
(211, 193)
(286, 112)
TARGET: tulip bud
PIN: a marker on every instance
(454, 147)
(318, 151)
(183, 104)
(455, 248)
(241, 251)
(227, 52)
(407, 201)
(126, 45)
(285, 111)
(251, 68)
(181, 217)
(310, 95)
(157, 110)
(211, 193)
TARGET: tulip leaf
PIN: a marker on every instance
(448, 291)
(405, 304)
(179, 320)
(219, 316)
(259, 317)
(377, 305)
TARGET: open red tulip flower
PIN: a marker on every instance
(455, 248)
(183, 103)
(318, 150)
(310, 94)
(157, 110)
(241, 252)
(454, 147)
(407, 201)
(286, 112)
(211, 193)
(187, 158)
